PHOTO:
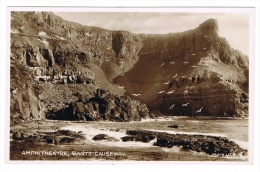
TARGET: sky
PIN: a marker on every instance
(232, 26)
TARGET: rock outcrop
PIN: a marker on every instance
(199, 143)
(104, 137)
(58, 137)
(103, 106)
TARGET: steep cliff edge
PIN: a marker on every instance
(175, 73)
(196, 67)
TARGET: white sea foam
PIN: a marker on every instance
(90, 132)
(157, 119)
(173, 149)
(195, 121)
(190, 133)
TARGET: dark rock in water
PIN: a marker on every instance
(115, 129)
(105, 137)
(17, 135)
(130, 138)
(67, 140)
(140, 138)
(198, 143)
(58, 137)
(173, 126)
(136, 135)
(49, 140)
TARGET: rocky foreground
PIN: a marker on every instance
(56, 137)
(198, 143)
(211, 145)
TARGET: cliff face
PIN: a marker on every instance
(63, 58)
(24, 97)
(56, 52)
(196, 67)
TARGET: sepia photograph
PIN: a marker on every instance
(122, 84)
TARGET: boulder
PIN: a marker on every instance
(104, 137)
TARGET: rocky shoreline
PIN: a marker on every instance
(198, 143)
(210, 145)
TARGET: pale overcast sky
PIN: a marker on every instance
(234, 27)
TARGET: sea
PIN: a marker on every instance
(233, 129)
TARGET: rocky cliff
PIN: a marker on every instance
(195, 67)
(65, 59)
(56, 60)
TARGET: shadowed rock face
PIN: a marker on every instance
(189, 67)
(103, 106)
